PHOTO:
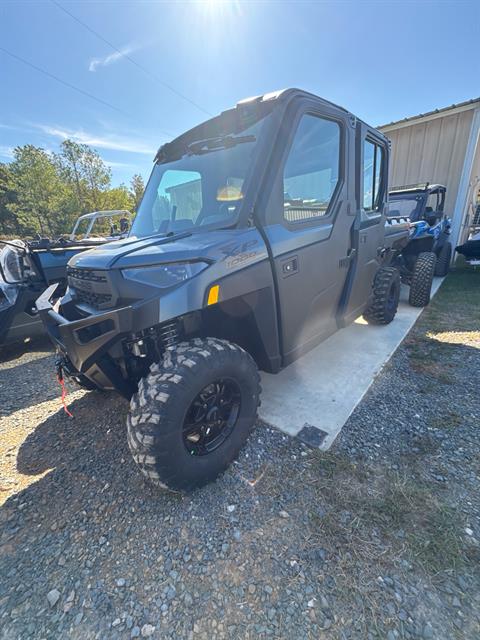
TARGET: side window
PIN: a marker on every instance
(372, 175)
(312, 169)
(179, 192)
(432, 202)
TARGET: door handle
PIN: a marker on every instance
(345, 262)
(289, 267)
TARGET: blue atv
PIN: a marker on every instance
(429, 250)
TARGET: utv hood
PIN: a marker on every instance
(138, 252)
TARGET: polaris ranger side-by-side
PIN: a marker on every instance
(261, 232)
(429, 250)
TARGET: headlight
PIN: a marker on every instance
(11, 262)
(165, 275)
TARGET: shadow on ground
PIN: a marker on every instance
(18, 349)
(27, 382)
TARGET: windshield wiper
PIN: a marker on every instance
(220, 142)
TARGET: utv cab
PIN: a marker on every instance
(260, 233)
(28, 267)
(429, 250)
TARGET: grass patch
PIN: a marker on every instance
(451, 321)
(432, 369)
(448, 420)
(329, 465)
(422, 445)
(377, 516)
(456, 307)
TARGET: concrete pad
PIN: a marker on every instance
(313, 397)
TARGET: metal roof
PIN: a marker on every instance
(427, 114)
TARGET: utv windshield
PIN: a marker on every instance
(203, 185)
(405, 207)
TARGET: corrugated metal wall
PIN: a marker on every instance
(431, 151)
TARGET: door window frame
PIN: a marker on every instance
(275, 202)
(373, 214)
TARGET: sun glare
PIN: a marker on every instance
(218, 7)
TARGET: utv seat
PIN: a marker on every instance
(432, 216)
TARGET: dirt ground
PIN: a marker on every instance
(379, 538)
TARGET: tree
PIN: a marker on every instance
(69, 162)
(87, 174)
(137, 187)
(8, 223)
(118, 198)
(39, 191)
(44, 193)
(98, 177)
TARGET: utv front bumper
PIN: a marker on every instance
(87, 343)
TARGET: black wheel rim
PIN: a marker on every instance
(392, 296)
(211, 417)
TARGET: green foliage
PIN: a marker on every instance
(38, 190)
(118, 198)
(45, 193)
(138, 187)
(7, 197)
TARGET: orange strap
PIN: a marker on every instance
(61, 382)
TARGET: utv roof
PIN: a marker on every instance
(423, 187)
(284, 95)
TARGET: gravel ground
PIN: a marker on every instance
(376, 539)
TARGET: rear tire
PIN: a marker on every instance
(443, 260)
(422, 279)
(386, 293)
(174, 427)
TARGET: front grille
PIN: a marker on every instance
(90, 287)
(86, 275)
(97, 300)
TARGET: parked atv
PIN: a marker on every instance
(471, 249)
(261, 232)
(429, 250)
(28, 267)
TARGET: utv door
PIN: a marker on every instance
(368, 232)
(308, 226)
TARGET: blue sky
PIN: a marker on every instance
(381, 60)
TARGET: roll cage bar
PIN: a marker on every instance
(98, 215)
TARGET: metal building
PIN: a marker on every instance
(442, 146)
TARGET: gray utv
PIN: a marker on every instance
(261, 232)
